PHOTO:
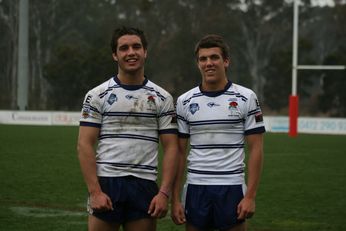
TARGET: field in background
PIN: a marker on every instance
(41, 187)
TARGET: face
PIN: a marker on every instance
(130, 53)
(212, 65)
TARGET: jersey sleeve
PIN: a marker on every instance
(253, 116)
(167, 117)
(183, 126)
(91, 114)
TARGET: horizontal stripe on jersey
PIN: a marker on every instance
(215, 146)
(216, 124)
(128, 165)
(215, 172)
(130, 118)
(128, 136)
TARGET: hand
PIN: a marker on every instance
(99, 201)
(158, 206)
(177, 213)
(246, 208)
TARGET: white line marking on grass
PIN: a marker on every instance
(45, 212)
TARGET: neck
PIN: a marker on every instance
(214, 86)
(129, 78)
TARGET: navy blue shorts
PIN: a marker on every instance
(131, 197)
(213, 206)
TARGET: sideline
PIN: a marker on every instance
(311, 125)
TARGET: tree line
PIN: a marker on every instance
(70, 52)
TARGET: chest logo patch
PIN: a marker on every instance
(112, 98)
(193, 108)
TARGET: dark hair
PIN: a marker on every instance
(117, 33)
(210, 41)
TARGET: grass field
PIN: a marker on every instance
(303, 186)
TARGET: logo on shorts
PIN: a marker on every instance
(193, 108)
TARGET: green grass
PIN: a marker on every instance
(41, 186)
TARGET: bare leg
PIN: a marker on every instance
(146, 224)
(190, 227)
(96, 224)
(239, 227)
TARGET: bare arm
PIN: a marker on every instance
(246, 207)
(86, 141)
(159, 204)
(178, 214)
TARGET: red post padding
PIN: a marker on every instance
(293, 114)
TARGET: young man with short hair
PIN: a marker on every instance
(125, 118)
(217, 118)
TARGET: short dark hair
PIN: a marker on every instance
(210, 41)
(117, 33)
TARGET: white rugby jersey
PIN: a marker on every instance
(217, 123)
(130, 119)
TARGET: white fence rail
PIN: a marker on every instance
(273, 123)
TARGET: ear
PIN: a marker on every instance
(145, 53)
(226, 62)
(115, 58)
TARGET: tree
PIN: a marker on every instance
(9, 50)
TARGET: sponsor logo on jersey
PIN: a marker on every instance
(212, 104)
(259, 117)
(130, 97)
(112, 98)
(85, 112)
(193, 108)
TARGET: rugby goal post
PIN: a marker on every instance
(293, 98)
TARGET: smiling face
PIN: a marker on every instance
(213, 67)
(130, 54)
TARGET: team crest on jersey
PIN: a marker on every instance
(232, 105)
(151, 99)
(112, 98)
(151, 102)
(233, 108)
(212, 104)
(193, 108)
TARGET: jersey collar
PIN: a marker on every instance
(130, 87)
(215, 93)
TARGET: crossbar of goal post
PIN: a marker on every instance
(294, 99)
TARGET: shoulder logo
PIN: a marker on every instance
(193, 108)
(112, 98)
(85, 112)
